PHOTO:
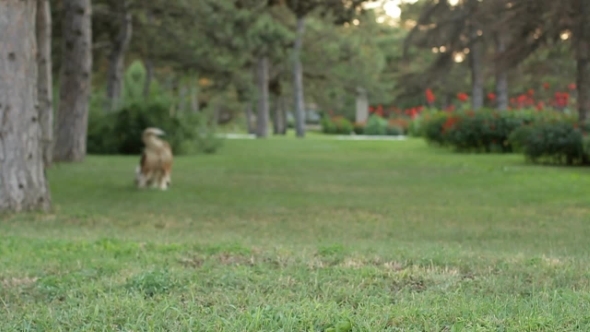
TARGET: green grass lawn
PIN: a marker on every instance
(305, 235)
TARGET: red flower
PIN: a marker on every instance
(371, 109)
(491, 96)
(412, 112)
(450, 108)
(379, 110)
(430, 97)
(561, 99)
(462, 96)
(449, 123)
(546, 86)
(531, 92)
(540, 106)
(572, 86)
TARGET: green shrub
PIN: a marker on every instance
(359, 128)
(481, 131)
(432, 128)
(394, 130)
(376, 125)
(415, 128)
(559, 141)
(328, 126)
(120, 132)
(336, 125)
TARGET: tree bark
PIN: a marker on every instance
(362, 106)
(501, 77)
(279, 121)
(583, 60)
(283, 117)
(475, 59)
(45, 79)
(298, 80)
(263, 113)
(76, 71)
(23, 185)
(119, 45)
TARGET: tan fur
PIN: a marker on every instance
(155, 166)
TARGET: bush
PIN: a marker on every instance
(560, 142)
(481, 131)
(338, 125)
(398, 126)
(120, 132)
(376, 125)
(359, 128)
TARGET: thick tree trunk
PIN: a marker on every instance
(263, 113)
(501, 77)
(149, 74)
(119, 46)
(583, 61)
(298, 80)
(45, 79)
(23, 186)
(72, 116)
(362, 106)
(475, 59)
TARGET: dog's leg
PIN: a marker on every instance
(141, 181)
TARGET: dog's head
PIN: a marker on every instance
(152, 131)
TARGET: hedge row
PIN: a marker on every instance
(375, 126)
(541, 135)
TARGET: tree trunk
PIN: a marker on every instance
(279, 121)
(194, 99)
(298, 80)
(477, 81)
(263, 113)
(583, 61)
(249, 116)
(149, 74)
(117, 58)
(76, 71)
(362, 106)
(23, 185)
(45, 79)
(501, 77)
(283, 116)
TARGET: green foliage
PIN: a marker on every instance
(559, 142)
(482, 131)
(120, 132)
(134, 82)
(266, 36)
(376, 125)
(394, 130)
(336, 125)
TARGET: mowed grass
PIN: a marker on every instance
(305, 235)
